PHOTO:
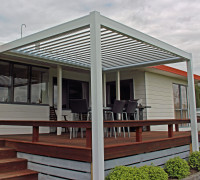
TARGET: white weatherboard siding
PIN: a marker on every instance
(159, 95)
(22, 112)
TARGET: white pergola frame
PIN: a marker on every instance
(100, 44)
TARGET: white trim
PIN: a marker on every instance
(118, 85)
(59, 104)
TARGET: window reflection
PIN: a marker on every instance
(126, 92)
(71, 89)
(39, 86)
(180, 101)
(5, 82)
(20, 74)
(21, 83)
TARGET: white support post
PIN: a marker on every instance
(96, 97)
(59, 101)
(192, 104)
(118, 85)
(50, 88)
(104, 89)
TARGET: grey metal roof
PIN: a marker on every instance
(121, 46)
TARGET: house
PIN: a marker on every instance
(97, 59)
(31, 93)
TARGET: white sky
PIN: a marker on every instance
(176, 22)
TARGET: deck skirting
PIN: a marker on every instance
(158, 158)
(57, 169)
(61, 169)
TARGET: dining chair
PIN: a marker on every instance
(79, 107)
(117, 109)
(130, 110)
(53, 117)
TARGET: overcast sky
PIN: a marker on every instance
(176, 22)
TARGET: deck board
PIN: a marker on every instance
(81, 142)
(63, 147)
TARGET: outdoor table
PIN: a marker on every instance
(141, 109)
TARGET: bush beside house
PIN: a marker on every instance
(174, 168)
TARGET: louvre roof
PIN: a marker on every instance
(69, 44)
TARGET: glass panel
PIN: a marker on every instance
(183, 97)
(176, 96)
(178, 114)
(75, 89)
(20, 75)
(39, 86)
(184, 114)
(85, 91)
(5, 82)
(126, 89)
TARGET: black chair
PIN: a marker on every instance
(117, 108)
(79, 107)
(130, 110)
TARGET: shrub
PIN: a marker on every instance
(194, 160)
(154, 172)
(127, 173)
(177, 168)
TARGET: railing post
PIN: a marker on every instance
(148, 128)
(170, 130)
(88, 137)
(176, 127)
(35, 136)
(139, 134)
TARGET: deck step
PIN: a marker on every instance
(7, 153)
(12, 164)
(20, 175)
(13, 168)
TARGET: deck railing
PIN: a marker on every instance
(87, 124)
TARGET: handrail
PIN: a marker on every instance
(87, 124)
(138, 124)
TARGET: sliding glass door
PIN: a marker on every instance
(71, 89)
(180, 101)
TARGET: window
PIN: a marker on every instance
(39, 86)
(71, 89)
(20, 83)
(180, 101)
(126, 91)
(5, 82)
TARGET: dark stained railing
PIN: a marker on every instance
(87, 124)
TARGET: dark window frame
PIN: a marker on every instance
(67, 82)
(180, 100)
(11, 73)
(113, 83)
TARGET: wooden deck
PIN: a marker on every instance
(75, 149)
(53, 139)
